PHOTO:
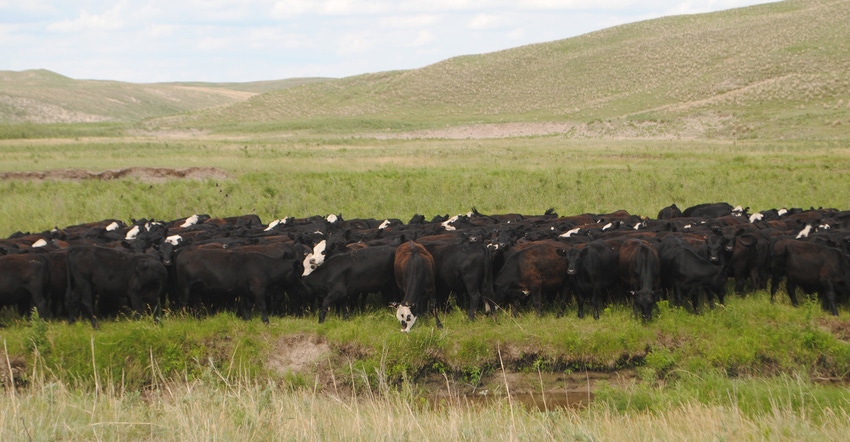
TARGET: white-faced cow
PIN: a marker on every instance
(345, 275)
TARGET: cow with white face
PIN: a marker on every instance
(315, 258)
(405, 317)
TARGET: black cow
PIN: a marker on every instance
(532, 269)
(685, 272)
(415, 274)
(25, 282)
(345, 275)
(750, 260)
(708, 210)
(231, 275)
(640, 270)
(593, 268)
(669, 212)
(812, 267)
(465, 268)
(97, 272)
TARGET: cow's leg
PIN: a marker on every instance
(829, 297)
(694, 293)
(775, 278)
(740, 282)
(537, 299)
(259, 298)
(333, 297)
(40, 300)
(580, 299)
(85, 295)
(596, 301)
(262, 305)
(437, 315)
(474, 301)
(791, 288)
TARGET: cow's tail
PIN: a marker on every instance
(70, 305)
(487, 284)
(778, 255)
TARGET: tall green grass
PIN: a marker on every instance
(276, 177)
(24, 131)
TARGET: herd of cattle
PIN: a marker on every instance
(293, 266)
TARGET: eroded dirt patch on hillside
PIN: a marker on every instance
(146, 174)
(300, 354)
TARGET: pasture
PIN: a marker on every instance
(749, 370)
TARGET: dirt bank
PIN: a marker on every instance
(146, 174)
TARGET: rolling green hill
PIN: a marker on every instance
(41, 96)
(775, 70)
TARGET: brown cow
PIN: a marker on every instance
(415, 274)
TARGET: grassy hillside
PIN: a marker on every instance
(41, 96)
(257, 87)
(774, 70)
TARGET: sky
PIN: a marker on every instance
(148, 41)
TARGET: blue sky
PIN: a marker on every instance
(247, 40)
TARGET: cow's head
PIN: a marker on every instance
(406, 317)
(574, 257)
(716, 245)
(644, 302)
(315, 258)
(166, 249)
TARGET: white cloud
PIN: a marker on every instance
(424, 38)
(158, 30)
(408, 21)
(291, 8)
(356, 43)
(516, 34)
(274, 38)
(486, 21)
(111, 20)
(214, 44)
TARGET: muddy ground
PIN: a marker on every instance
(145, 174)
(312, 358)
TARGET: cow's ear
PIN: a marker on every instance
(562, 252)
(394, 305)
